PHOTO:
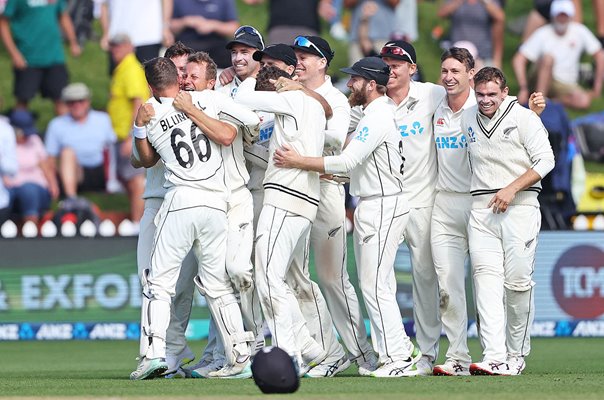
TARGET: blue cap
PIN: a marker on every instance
(24, 120)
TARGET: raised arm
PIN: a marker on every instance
(285, 85)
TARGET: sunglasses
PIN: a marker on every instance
(250, 30)
(304, 42)
(395, 51)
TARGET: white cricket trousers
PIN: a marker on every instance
(502, 250)
(378, 226)
(328, 240)
(425, 283)
(184, 224)
(280, 236)
(180, 312)
(449, 238)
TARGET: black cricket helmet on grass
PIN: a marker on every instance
(274, 371)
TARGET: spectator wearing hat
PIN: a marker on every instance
(128, 91)
(205, 26)
(76, 143)
(34, 184)
(375, 163)
(8, 165)
(555, 50)
(31, 32)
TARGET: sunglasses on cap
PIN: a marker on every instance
(304, 42)
(251, 31)
(395, 51)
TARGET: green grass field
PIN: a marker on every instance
(561, 368)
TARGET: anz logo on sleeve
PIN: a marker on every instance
(362, 135)
(451, 142)
(415, 129)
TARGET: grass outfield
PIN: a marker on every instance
(560, 368)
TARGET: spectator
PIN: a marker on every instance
(556, 49)
(30, 32)
(540, 15)
(128, 91)
(146, 22)
(35, 183)
(8, 165)
(76, 143)
(481, 22)
(289, 19)
(382, 24)
(206, 26)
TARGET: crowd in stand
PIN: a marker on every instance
(88, 150)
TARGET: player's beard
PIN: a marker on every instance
(358, 97)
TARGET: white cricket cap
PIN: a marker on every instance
(562, 7)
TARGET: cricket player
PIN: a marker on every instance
(291, 198)
(193, 214)
(328, 233)
(509, 155)
(177, 351)
(374, 159)
(415, 103)
(246, 41)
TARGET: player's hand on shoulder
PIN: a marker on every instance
(144, 114)
(227, 76)
(183, 101)
(537, 102)
(284, 84)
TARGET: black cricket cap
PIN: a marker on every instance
(400, 50)
(279, 51)
(274, 371)
(248, 36)
(314, 45)
(372, 68)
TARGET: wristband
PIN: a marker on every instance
(139, 132)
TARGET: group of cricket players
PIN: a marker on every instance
(246, 173)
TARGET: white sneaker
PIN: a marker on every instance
(204, 371)
(178, 360)
(149, 368)
(237, 371)
(490, 368)
(451, 368)
(327, 370)
(396, 369)
(314, 357)
(424, 366)
(516, 364)
(369, 365)
(179, 373)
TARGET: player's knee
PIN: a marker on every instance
(444, 300)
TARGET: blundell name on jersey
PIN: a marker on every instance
(172, 120)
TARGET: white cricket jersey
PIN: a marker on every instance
(299, 123)
(257, 154)
(191, 159)
(154, 177)
(374, 155)
(237, 173)
(414, 121)
(452, 147)
(503, 148)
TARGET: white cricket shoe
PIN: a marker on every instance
(490, 368)
(516, 364)
(396, 369)
(327, 370)
(236, 371)
(204, 371)
(313, 357)
(178, 360)
(451, 368)
(369, 365)
(424, 367)
(149, 368)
